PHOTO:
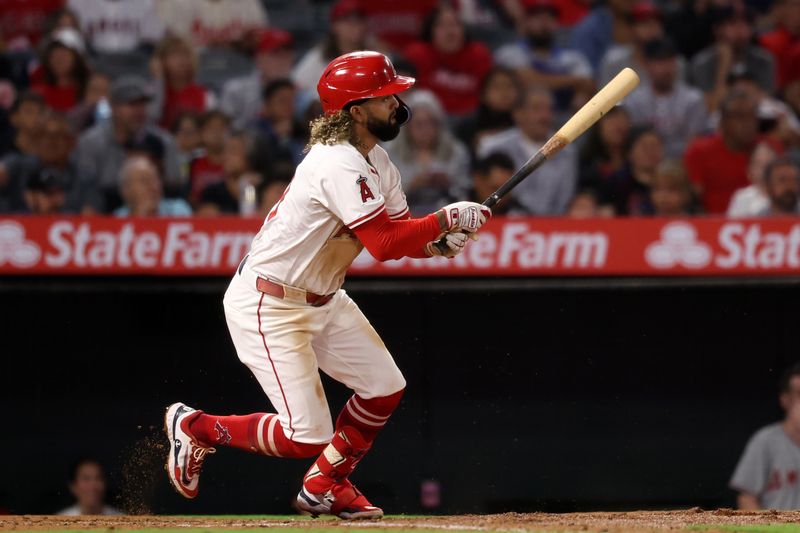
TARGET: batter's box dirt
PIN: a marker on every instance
(693, 520)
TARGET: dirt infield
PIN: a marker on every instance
(640, 521)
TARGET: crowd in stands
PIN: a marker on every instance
(180, 107)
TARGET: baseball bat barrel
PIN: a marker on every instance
(606, 98)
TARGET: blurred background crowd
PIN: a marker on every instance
(181, 107)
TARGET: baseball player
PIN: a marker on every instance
(287, 313)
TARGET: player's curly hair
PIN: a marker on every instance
(331, 129)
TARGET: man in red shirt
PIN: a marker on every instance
(717, 165)
(448, 64)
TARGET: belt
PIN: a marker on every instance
(279, 291)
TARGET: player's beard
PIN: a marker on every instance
(383, 130)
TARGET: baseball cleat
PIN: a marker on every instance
(343, 500)
(186, 455)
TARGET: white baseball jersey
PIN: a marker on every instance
(306, 240)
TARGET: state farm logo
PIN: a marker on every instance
(14, 248)
(678, 247)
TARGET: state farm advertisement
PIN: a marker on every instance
(506, 247)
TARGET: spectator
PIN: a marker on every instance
(752, 200)
(113, 26)
(26, 120)
(783, 42)
(585, 204)
(717, 165)
(347, 33)
(646, 26)
(675, 110)
(732, 51)
(782, 185)
(690, 24)
(207, 168)
(241, 97)
(271, 191)
(570, 12)
(767, 474)
(87, 484)
(499, 93)
(60, 19)
(186, 131)
(538, 61)
(102, 149)
(213, 22)
(671, 191)
(282, 136)
(45, 193)
(606, 148)
(628, 190)
(549, 189)
(488, 174)
(433, 164)
(142, 193)
(448, 63)
(22, 22)
(607, 23)
(174, 65)
(65, 73)
(397, 24)
(225, 197)
(94, 106)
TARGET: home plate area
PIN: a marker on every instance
(638, 521)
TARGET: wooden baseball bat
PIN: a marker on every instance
(606, 98)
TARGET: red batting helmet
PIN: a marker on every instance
(360, 75)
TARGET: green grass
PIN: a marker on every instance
(762, 528)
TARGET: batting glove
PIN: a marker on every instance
(464, 216)
(455, 243)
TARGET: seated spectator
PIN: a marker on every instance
(61, 18)
(270, 192)
(26, 120)
(538, 61)
(282, 136)
(65, 73)
(433, 164)
(51, 170)
(448, 63)
(93, 107)
(717, 164)
(751, 200)
(207, 167)
(782, 185)
(675, 110)
(488, 174)
(45, 193)
(397, 24)
(548, 190)
(114, 27)
(733, 50)
(142, 193)
(213, 22)
(585, 204)
(671, 192)
(174, 65)
(87, 484)
(605, 151)
(102, 149)
(628, 190)
(570, 12)
(783, 42)
(766, 475)
(499, 92)
(232, 195)
(241, 97)
(646, 26)
(186, 131)
(347, 33)
(606, 24)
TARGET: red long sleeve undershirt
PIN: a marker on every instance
(386, 239)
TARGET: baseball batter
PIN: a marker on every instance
(287, 313)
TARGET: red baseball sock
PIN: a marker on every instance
(356, 428)
(260, 433)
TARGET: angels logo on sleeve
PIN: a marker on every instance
(366, 192)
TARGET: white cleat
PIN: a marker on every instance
(186, 455)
